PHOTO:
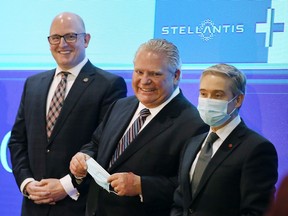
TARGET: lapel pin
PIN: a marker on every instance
(230, 145)
(85, 79)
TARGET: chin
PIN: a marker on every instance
(65, 65)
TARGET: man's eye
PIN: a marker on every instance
(218, 95)
(202, 94)
(55, 37)
(70, 36)
(157, 74)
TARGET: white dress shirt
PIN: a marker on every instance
(154, 111)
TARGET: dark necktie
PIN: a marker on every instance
(130, 134)
(56, 104)
(203, 160)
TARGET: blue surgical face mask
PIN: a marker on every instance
(214, 112)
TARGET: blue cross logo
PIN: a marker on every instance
(269, 27)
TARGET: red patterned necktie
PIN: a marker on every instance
(130, 134)
(56, 103)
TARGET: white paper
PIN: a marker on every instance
(99, 174)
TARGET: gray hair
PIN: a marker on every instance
(236, 76)
(166, 48)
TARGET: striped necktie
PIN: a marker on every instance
(130, 134)
(56, 103)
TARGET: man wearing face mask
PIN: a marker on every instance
(231, 170)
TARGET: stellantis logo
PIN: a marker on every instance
(269, 27)
(206, 30)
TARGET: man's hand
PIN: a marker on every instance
(78, 166)
(38, 192)
(55, 188)
(47, 191)
(126, 184)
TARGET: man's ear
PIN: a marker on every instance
(87, 39)
(177, 76)
(239, 100)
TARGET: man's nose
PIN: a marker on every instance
(146, 79)
(62, 42)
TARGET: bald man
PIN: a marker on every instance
(50, 129)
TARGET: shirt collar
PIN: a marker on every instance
(224, 132)
(157, 109)
(75, 70)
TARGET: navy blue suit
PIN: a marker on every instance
(84, 107)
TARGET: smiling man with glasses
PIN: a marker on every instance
(68, 41)
(58, 113)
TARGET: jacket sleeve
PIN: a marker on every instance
(259, 176)
(18, 145)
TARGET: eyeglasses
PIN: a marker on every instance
(69, 38)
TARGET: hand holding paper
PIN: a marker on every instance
(99, 174)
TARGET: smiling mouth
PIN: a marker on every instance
(64, 52)
(147, 90)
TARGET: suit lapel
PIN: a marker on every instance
(226, 148)
(117, 125)
(190, 153)
(158, 124)
(153, 129)
(83, 80)
(43, 90)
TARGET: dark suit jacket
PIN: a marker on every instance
(84, 107)
(154, 155)
(239, 180)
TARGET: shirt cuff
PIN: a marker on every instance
(66, 182)
(23, 185)
(141, 198)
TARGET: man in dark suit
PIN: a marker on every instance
(240, 177)
(40, 160)
(144, 175)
